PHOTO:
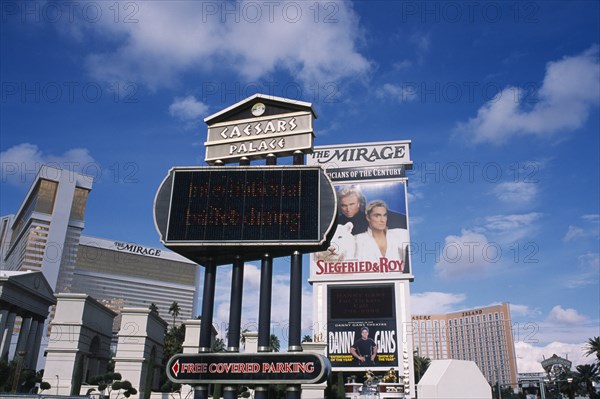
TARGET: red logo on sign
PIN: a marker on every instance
(175, 367)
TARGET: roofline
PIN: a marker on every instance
(42, 174)
(266, 97)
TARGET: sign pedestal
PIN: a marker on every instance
(314, 391)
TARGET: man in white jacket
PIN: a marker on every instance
(379, 241)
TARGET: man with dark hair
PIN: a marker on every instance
(364, 349)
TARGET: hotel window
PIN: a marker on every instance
(79, 201)
(3, 231)
(46, 195)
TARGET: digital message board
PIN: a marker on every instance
(244, 368)
(207, 212)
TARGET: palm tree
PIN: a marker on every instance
(153, 308)
(307, 338)
(219, 345)
(44, 385)
(274, 343)
(174, 311)
(587, 374)
(243, 337)
(593, 346)
(420, 364)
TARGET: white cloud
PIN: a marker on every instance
(558, 315)
(398, 93)
(529, 356)
(435, 302)
(523, 311)
(470, 254)
(421, 41)
(588, 272)
(21, 163)
(188, 108)
(591, 229)
(479, 250)
(592, 218)
(402, 65)
(574, 232)
(510, 228)
(569, 90)
(516, 193)
(253, 39)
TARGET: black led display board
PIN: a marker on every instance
(248, 205)
(361, 302)
(244, 368)
(227, 212)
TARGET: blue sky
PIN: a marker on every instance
(500, 100)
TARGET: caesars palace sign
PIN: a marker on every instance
(258, 126)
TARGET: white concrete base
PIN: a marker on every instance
(453, 379)
(314, 391)
(79, 345)
(140, 348)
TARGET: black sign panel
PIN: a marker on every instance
(362, 302)
(226, 212)
(247, 205)
(235, 368)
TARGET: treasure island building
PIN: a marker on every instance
(482, 335)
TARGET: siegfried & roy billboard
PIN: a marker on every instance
(367, 177)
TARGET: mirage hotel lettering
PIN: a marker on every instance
(365, 154)
(137, 249)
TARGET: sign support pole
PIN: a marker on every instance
(295, 317)
(208, 302)
(235, 317)
(295, 302)
(264, 313)
(235, 311)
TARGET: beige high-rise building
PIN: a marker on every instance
(483, 335)
(45, 234)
